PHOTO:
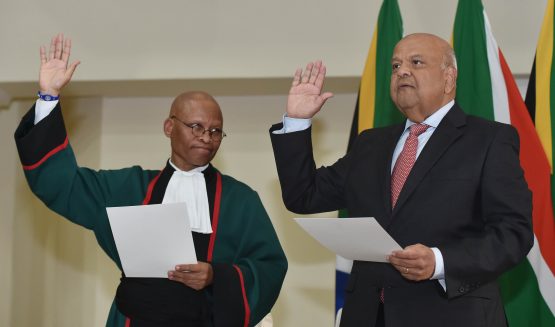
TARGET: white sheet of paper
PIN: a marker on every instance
(352, 238)
(152, 239)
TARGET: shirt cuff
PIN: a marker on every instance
(439, 272)
(43, 109)
(293, 125)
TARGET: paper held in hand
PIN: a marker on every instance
(152, 239)
(361, 239)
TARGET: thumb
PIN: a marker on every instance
(71, 69)
(326, 96)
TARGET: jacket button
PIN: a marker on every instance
(462, 289)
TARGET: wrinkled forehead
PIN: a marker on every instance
(422, 46)
(202, 109)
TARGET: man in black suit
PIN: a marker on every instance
(448, 187)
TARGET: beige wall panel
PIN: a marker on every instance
(9, 167)
(136, 40)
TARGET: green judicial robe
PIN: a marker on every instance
(247, 259)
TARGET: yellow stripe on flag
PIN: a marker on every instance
(544, 55)
(367, 100)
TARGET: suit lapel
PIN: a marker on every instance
(445, 134)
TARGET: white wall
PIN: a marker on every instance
(174, 39)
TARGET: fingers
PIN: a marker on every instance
(315, 72)
(407, 254)
(59, 46)
(187, 268)
(66, 50)
(195, 276)
(307, 72)
(52, 48)
(297, 77)
(191, 280)
(407, 269)
(412, 273)
(319, 81)
(42, 55)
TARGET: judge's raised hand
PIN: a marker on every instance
(55, 72)
(196, 276)
(305, 96)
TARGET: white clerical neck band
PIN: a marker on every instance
(194, 170)
(190, 187)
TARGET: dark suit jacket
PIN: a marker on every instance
(465, 195)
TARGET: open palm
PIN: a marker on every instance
(55, 72)
(305, 96)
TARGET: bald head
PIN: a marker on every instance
(424, 73)
(186, 100)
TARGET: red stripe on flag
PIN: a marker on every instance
(536, 168)
(48, 155)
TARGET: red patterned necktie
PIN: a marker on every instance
(403, 166)
(405, 161)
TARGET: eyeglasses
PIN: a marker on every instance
(215, 134)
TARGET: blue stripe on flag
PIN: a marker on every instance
(340, 284)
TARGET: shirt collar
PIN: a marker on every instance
(194, 170)
(435, 118)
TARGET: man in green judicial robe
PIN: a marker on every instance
(241, 265)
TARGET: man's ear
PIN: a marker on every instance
(168, 127)
(450, 79)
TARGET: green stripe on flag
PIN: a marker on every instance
(523, 301)
(390, 31)
(474, 93)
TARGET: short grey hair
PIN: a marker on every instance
(450, 59)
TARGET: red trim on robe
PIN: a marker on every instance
(216, 215)
(245, 301)
(127, 322)
(150, 188)
(48, 155)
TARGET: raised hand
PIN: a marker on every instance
(54, 70)
(305, 96)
